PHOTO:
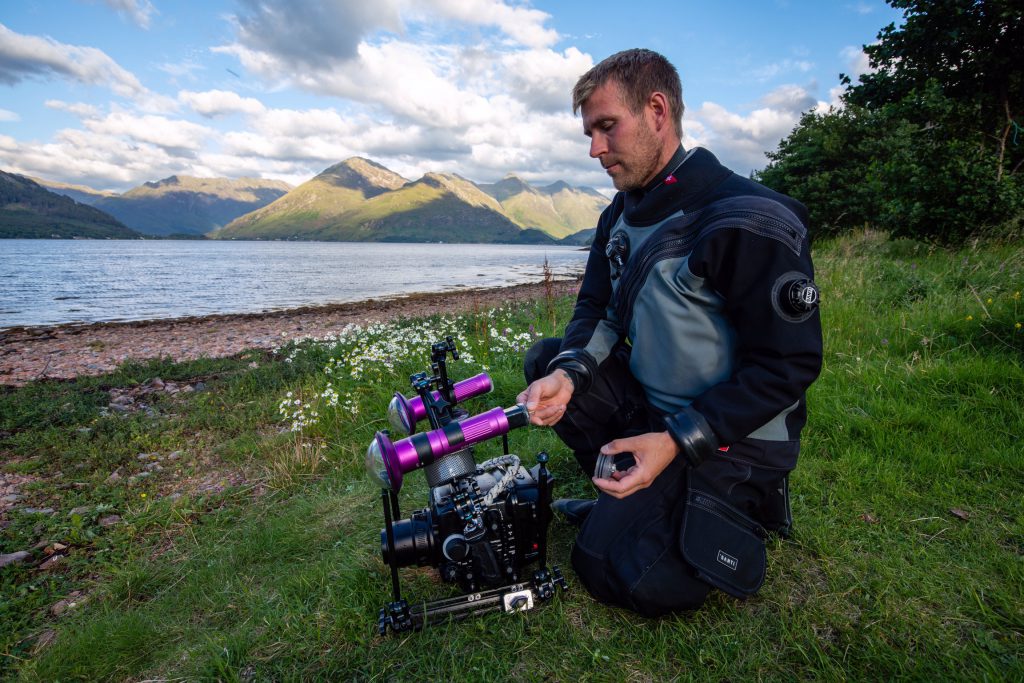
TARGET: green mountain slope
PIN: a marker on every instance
(359, 200)
(436, 208)
(315, 204)
(558, 209)
(29, 210)
(191, 206)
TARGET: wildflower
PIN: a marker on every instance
(1016, 296)
(885, 342)
(1016, 326)
(970, 318)
(142, 495)
(989, 300)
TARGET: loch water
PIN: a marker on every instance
(49, 282)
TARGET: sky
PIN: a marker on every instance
(113, 93)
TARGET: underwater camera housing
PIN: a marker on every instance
(484, 523)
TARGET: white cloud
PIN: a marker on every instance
(6, 116)
(857, 61)
(79, 109)
(177, 136)
(23, 56)
(139, 11)
(312, 33)
(523, 25)
(741, 140)
(543, 79)
(214, 103)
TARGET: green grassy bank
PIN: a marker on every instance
(218, 524)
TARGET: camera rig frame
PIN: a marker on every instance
(439, 407)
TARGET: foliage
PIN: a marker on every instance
(928, 144)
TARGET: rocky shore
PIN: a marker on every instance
(66, 351)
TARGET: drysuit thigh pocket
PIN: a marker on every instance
(726, 547)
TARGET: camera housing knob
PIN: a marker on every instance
(455, 548)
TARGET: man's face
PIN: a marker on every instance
(622, 141)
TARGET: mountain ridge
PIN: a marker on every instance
(29, 210)
(360, 200)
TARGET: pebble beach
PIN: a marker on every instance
(30, 354)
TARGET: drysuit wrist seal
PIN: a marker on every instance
(692, 434)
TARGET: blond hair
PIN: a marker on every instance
(639, 73)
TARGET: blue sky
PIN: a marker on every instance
(113, 93)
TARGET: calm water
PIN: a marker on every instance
(46, 282)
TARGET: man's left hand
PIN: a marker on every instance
(653, 452)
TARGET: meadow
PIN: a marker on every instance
(226, 530)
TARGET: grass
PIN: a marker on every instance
(253, 555)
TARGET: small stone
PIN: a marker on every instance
(114, 476)
(10, 498)
(11, 558)
(81, 510)
(199, 386)
(154, 467)
(58, 608)
(84, 430)
(145, 456)
(38, 511)
(137, 477)
(156, 383)
(109, 520)
(51, 563)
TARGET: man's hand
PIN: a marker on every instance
(546, 398)
(653, 452)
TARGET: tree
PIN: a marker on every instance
(928, 144)
(972, 50)
(825, 163)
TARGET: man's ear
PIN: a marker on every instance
(657, 105)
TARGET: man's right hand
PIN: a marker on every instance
(546, 398)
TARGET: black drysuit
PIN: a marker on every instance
(698, 316)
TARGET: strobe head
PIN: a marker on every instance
(387, 460)
(404, 413)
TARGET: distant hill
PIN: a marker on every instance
(27, 209)
(582, 238)
(317, 204)
(360, 200)
(80, 193)
(557, 209)
(188, 205)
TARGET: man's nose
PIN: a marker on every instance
(598, 145)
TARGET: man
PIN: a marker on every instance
(694, 338)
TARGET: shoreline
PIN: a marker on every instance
(70, 350)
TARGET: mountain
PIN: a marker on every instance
(27, 209)
(360, 200)
(583, 238)
(80, 193)
(557, 209)
(316, 204)
(187, 205)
